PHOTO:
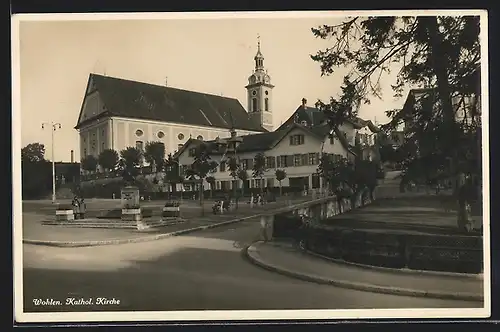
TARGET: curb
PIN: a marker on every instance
(397, 271)
(359, 286)
(68, 244)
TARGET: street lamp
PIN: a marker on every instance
(233, 144)
(53, 126)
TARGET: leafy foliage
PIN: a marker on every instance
(259, 165)
(233, 166)
(89, 163)
(202, 166)
(440, 54)
(203, 163)
(129, 163)
(280, 176)
(35, 171)
(155, 154)
(172, 170)
(211, 181)
(33, 152)
(243, 175)
(108, 159)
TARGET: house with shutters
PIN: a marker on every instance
(118, 113)
(295, 147)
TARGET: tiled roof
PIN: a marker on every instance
(315, 117)
(266, 141)
(251, 142)
(139, 100)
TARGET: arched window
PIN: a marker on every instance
(254, 104)
(266, 104)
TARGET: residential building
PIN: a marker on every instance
(295, 147)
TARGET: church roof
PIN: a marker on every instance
(137, 100)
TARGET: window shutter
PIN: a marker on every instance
(273, 162)
(278, 161)
(317, 158)
(289, 160)
(291, 140)
(250, 163)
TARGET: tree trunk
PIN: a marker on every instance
(281, 189)
(439, 65)
(201, 198)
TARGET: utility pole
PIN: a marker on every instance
(53, 127)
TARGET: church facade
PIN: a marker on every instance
(118, 113)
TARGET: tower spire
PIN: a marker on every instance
(259, 58)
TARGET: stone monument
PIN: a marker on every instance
(131, 208)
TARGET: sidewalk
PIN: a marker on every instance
(286, 259)
(34, 232)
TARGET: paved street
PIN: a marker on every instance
(202, 271)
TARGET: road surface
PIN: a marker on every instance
(202, 271)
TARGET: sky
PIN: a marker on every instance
(199, 54)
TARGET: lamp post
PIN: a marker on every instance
(233, 144)
(53, 126)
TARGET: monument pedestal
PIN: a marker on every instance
(131, 214)
(131, 209)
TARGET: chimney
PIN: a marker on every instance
(72, 156)
(304, 102)
(233, 133)
(166, 80)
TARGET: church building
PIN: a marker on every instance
(118, 113)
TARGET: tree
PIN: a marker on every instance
(129, 164)
(338, 173)
(33, 152)
(155, 155)
(234, 166)
(108, 159)
(36, 171)
(280, 176)
(259, 167)
(89, 163)
(243, 176)
(440, 54)
(201, 166)
(211, 181)
(366, 174)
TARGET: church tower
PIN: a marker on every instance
(259, 93)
